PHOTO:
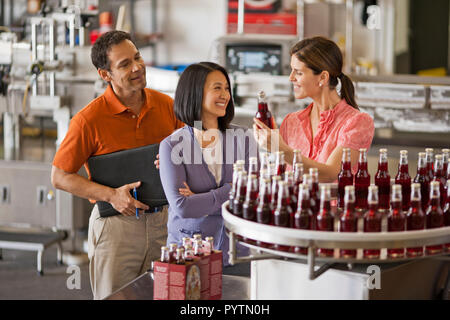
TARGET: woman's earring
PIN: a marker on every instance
(320, 84)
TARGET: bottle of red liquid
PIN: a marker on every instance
(282, 214)
(303, 216)
(429, 154)
(280, 164)
(313, 196)
(383, 181)
(264, 210)
(314, 175)
(289, 179)
(372, 220)
(241, 192)
(250, 203)
(164, 254)
(423, 179)
(396, 219)
(447, 213)
(448, 169)
(445, 158)
(236, 169)
(345, 176)
(439, 177)
(298, 176)
(362, 181)
(434, 215)
(173, 252)
(274, 193)
(253, 166)
(297, 157)
(415, 219)
(403, 178)
(263, 114)
(348, 221)
(264, 171)
(324, 220)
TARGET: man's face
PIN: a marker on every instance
(127, 68)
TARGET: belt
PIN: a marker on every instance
(154, 209)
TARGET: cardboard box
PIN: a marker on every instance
(200, 279)
(177, 282)
(215, 275)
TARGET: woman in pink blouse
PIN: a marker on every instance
(329, 124)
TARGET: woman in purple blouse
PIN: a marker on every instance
(196, 161)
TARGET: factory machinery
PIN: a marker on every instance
(288, 275)
(48, 77)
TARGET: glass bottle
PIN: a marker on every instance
(303, 218)
(289, 179)
(209, 248)
(415, 219)
(280, 164)
(188, 253)
(345, 176)
(241, 192)
(198, 248)
(180, 256)
(348, 221)
(298, 177)
(164, 254)
(264, 171)
(282, 214)
(383, 181)
(439, 177)
(403, 178)
(314, 176)
(250, 203)
(313, 197)
(396, 219)
(362, 181)
(434, 215)
(297, 157)
(274, 195)
(447, 213)
(429, 154)
(253, 166)
(263, 114)
(372, 220)
(324, 220)
(264, 211)
(423, 179)
(445, 158)
(173, 252)
(236, 169)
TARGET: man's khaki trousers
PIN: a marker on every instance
(120, 248)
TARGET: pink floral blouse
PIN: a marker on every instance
(341, 126)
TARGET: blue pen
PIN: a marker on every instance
(135, 196)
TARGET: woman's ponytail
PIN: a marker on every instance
(348, 90)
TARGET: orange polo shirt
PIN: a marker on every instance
(105, 125)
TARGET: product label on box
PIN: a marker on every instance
(193, 284)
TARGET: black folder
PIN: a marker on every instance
(127, 166)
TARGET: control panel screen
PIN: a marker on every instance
(254, 58)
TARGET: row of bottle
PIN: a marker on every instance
(427, 171)
(190, 249)
(294, 203)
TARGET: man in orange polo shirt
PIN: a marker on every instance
(126, 116)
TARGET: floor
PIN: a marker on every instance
(19, 278)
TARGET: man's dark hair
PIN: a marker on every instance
(102, 46)
(189, 94)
